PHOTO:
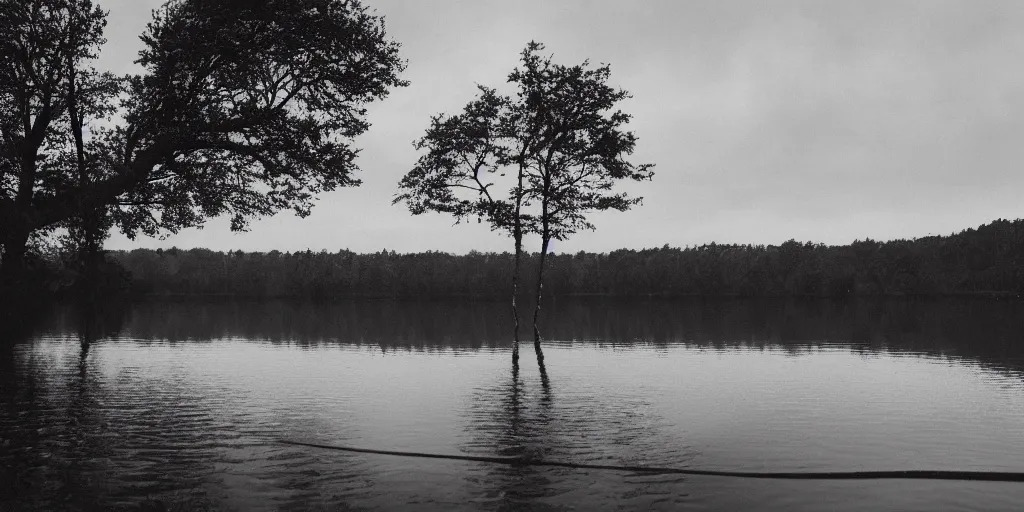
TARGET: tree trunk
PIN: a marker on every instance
(515, 291)
(88, 250)
(89, 253)
(517, 234)
(540, 289)
(12, 265)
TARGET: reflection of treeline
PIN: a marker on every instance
(983, 260)
(986, 330)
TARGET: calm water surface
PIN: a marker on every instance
(181, 404)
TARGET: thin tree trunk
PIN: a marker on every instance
(545, 237)
(515, 292)
(517, 234)
(88, 249)
(540, 289)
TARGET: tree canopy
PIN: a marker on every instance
(244, 108)
(556, 142)
(579, 144)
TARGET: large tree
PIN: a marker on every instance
(244, 108)
(534, 162)
(47, 90)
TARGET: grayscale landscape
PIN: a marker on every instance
(519, 255)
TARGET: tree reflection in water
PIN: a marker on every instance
(512, 418)
(983, 330)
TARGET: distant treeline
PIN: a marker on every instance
(975, 261)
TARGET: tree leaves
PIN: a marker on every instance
(244, 108)
(557, 141)
(250, 107)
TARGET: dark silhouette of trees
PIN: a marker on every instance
(47, 91)
(986, 260)
(244, 108)
(90, 95)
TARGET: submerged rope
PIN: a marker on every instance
(989, 476)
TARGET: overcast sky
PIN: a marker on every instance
(823, 121)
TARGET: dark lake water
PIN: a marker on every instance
(180, 404)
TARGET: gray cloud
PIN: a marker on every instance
(822, 121)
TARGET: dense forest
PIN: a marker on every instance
(983, 260)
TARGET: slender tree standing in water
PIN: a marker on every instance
(580, 150)
(465, 152)
(563, 151)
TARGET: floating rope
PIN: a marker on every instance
(989, 476)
